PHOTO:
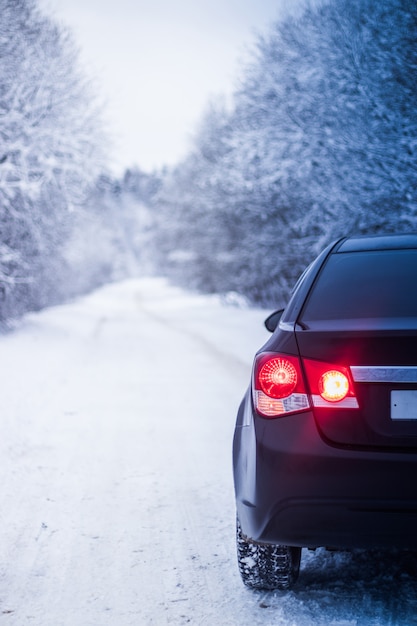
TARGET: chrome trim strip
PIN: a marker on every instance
(382, 374)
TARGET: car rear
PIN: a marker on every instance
(325, 448)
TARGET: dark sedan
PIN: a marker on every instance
(325, 443)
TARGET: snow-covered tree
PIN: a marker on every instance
(321, 142)
(50, 151)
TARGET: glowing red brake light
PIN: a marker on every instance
(278, 385)
(277, 377)
(330, 385)
(333, 386)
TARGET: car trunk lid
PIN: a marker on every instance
(383, 365)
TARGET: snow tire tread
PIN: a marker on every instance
(267, 566)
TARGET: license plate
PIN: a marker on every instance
(404, 404)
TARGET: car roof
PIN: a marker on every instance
(378, 242)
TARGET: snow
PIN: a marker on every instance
(117, 500)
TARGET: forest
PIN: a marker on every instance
(319, 142)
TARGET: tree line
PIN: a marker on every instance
(50, 151)
(320, 142)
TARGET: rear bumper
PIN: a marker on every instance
(344, 524)
(293, 488)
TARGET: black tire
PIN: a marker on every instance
(267, 566)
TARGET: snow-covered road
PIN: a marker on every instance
(116, 501)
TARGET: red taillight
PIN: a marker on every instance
(333, 386)
(278, 377)
(330, 385)
(278, 385)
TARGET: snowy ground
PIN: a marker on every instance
(116, 504)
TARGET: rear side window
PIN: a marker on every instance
(359, 285)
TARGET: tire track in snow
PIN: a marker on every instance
(209, 342)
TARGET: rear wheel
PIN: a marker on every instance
(266, 566)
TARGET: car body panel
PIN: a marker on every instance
(372, 425)
(322, 495)
(338, 477)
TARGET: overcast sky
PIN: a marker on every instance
(158, 62)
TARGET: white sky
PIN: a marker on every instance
(158, 62)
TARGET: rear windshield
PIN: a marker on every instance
(360, 285)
